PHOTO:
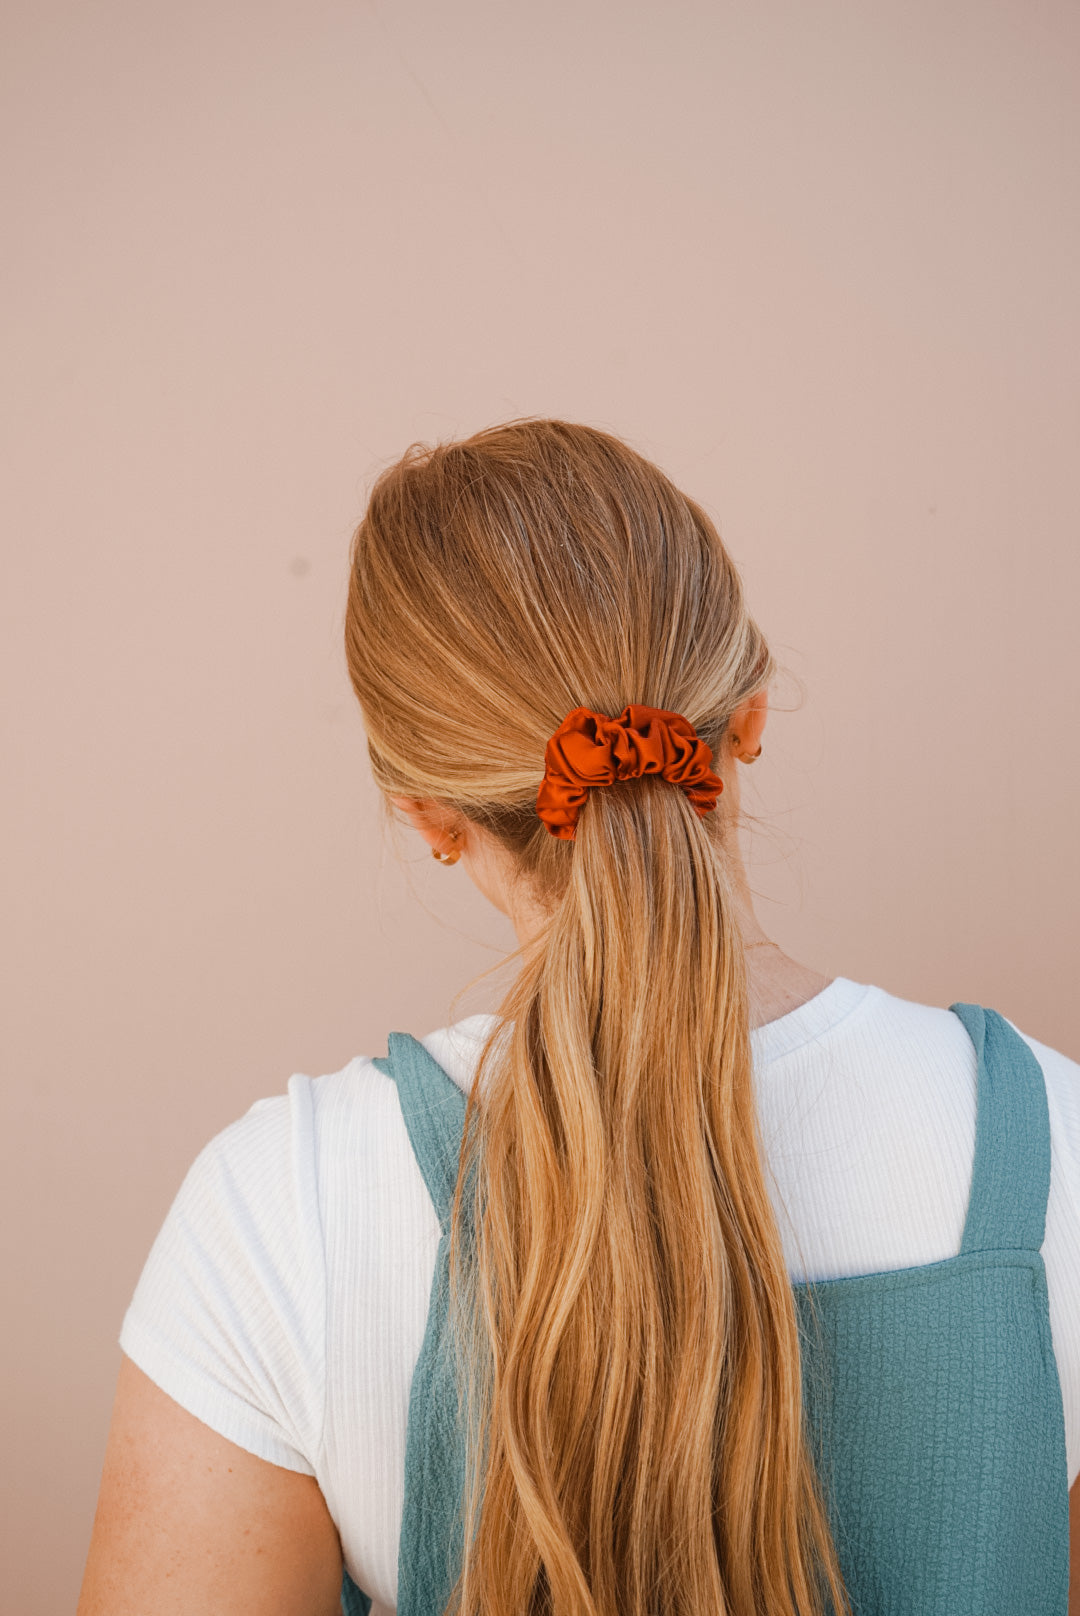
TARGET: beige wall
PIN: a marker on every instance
(820, 261)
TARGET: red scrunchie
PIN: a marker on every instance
(589, 749)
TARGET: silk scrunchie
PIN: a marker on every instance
(588, 749)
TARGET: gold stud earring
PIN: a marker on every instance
(451, 857)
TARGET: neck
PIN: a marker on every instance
(776, 983)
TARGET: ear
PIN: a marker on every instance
(747, 724)
(427, 817)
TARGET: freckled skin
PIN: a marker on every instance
(187, 1522)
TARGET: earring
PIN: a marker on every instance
(751, 757)
(454, 854)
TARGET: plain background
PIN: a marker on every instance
(819, 261)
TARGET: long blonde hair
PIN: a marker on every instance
(623, 1311)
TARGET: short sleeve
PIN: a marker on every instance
(228, 1316)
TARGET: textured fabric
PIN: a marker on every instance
(285, 1298)
(932, 1392)
(431, 1538)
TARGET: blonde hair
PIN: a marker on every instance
(622, 1309)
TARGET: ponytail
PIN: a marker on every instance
(621, 1305)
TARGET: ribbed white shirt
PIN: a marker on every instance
(285, 1297)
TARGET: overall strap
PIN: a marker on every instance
(434, 1110)
(430, 1545)
(1010, 1179)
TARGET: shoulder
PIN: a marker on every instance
(923, 1039)
(457, 1047)
(365, 1163)
(928, 1033)
(289, 1150)
(908, 1027)
(230, 1312)
(263, 1167)
(1061, 1072)
(1061, 1075)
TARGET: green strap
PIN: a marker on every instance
(1010, 1178)
(431, 1544)
(434, 1110)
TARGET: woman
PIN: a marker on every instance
(687, 1282)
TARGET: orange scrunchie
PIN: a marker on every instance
(589, 749)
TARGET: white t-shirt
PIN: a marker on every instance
(285, 1297)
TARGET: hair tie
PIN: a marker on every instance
(588, 749)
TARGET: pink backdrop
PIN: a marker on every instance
(819, 261)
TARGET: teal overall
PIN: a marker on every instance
(932, 1393)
